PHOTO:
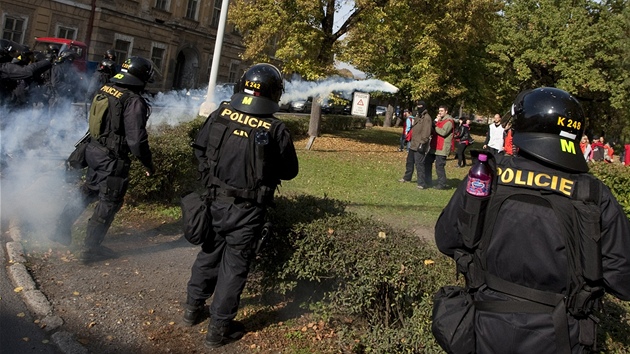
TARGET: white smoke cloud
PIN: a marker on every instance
(36, 140)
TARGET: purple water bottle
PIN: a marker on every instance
(480, 178)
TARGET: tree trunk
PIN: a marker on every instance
(389, 113)
(315, 121)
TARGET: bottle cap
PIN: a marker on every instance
(483, 157)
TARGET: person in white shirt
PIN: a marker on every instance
(494, 137)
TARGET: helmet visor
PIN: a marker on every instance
(563, 153)
(253, 104)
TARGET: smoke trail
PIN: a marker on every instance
(175, 107)
(301, 90)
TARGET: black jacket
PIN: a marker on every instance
(528, 250)
(135, 114)
(234, 165)
(10, 73)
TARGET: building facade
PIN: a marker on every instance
(178, 35)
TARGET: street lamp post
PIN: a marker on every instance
(208, 105)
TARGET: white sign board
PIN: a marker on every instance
(360, 104)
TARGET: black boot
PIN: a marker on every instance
(221, 335)
(95, 253)
(192, 315)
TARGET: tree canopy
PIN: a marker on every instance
(475, 53)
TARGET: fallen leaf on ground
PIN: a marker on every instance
(91, 324)
(21, 314)
(18, 289)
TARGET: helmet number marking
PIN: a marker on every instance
(570, 123)
(251, 84)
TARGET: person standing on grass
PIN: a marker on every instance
(494, 136)
(440, 147)
(418, 145)
(463, 141)
(243, 153)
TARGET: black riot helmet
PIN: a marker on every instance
(67, 55)
(548, 124)
(106, 66)
(5, 50)
(9, 50)
(110, 54)
(259, 89)
(135, 71)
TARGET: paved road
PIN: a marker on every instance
(18, 332)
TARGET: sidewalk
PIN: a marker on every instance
(128, 304)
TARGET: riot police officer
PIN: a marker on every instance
(105, 71)
(122, 132)
(539, 253)
(11, 73)
(243, 153)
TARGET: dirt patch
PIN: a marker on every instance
(133, 303)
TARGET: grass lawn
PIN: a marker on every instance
(362, 168)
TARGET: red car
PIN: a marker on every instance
(47, 44)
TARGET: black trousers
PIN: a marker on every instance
(223, 263)
(106, 182)
(440, 170)
(415, 159)
(461, 154)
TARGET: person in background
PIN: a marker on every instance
(585, 147)
(463, 141)
(418, 145)
(122, 133)
(597, 149)
(494, 136)
(102, 76)
(441, 143)
(406, 132)
(609, 153)
(508, 146)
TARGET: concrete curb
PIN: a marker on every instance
(34, 299)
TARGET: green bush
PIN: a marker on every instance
(617, 178)
(175, 165)
(382, 278)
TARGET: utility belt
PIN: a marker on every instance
(221, 191)
(116, 144)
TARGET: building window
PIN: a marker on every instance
(66, 32)
(122, 49)
(157, 55)
(13, 29)
(232, 76)
(216, 13)
(191, 9)
(162, 5)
